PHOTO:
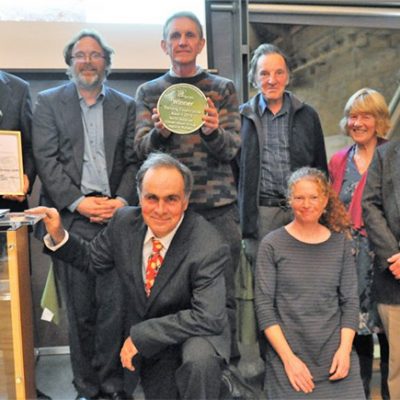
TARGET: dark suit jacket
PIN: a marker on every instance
(381, 213)
(188, 297)
(16, 115)
(58, 146)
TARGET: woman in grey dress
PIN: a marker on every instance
(306, 297)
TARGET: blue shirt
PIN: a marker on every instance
(275, 166)
(94, 167)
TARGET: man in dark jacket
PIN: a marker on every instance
(83, 147)
(381, 204)
(279, 134)
(16, 115)
(176, 325)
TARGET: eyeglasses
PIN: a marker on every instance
(303, 199)
(82, 57)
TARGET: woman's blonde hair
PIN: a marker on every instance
(369, 101)
(335, 217)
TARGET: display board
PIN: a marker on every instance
(34, 33)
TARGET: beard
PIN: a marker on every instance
(86, 82)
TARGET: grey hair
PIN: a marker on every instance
(182, 14)
(157, 160)
(262, 50)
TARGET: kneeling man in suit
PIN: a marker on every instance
(171, 262)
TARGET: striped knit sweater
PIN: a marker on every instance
(208, 157)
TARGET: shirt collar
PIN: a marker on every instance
(165, 240)
(199, 70)
(99, 97)
(263, 105)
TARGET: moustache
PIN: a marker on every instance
(88, 67)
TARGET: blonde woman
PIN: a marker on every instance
(366, 121)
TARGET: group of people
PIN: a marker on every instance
(149, 288)
(289, 223)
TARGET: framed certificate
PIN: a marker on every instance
(181, 108)
(11, 166)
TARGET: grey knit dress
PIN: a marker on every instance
(310, 290)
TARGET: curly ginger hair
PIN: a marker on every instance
(335, 216)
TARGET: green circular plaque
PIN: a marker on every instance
(181, 108)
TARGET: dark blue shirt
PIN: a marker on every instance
(275, 167)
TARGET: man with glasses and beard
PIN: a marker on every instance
(83, 147)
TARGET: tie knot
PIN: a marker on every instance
(157, 245)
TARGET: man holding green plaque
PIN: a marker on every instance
(208, 149)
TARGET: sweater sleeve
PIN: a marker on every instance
(147, 137)
(348, 292)
(224, 142)
(265, 286)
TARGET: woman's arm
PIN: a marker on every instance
(349, 307)
(340, 366)
(297, 371)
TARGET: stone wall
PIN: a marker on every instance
(330, 63)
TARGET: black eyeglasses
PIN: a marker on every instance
(82, 57)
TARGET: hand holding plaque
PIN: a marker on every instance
(181, 108)
(11, 166)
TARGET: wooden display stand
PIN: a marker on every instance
(17, 373)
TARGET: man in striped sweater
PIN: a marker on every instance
(208, 152)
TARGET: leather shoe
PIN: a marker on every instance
(41, 395)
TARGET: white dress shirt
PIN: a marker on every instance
(148, 245)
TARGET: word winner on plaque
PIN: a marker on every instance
(181, 108)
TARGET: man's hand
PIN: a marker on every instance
(299, 375)
(211, 118)
(19, 197)
(394, 266)
(113, 205)
(52, 221)
(159, 125)
(126, 354)
(95, 207)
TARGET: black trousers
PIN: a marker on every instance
(364, 345)
(94, 311)
(190, 371)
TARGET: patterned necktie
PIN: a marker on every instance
(153, 265)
